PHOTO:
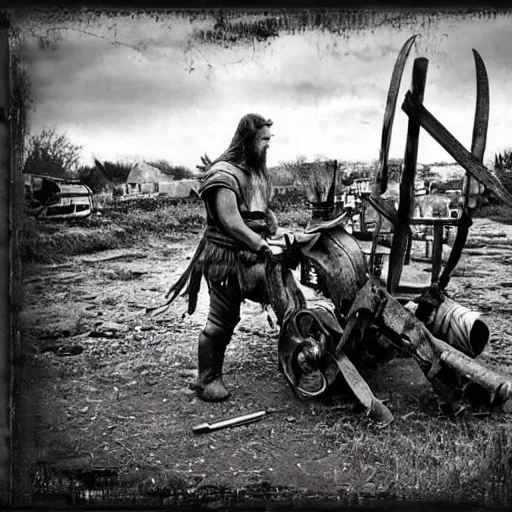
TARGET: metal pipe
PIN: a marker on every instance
(232, 422)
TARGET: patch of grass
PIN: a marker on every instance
(424, 459)
(124, 223)
(40, 243)
(497, 212)
(120, 226)
(291, 208)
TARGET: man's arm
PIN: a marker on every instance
(226, 208)
(272, 222)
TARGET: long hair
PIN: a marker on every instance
(240, 151)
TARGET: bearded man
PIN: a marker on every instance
(231, 255)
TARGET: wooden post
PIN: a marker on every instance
(407, 260)
(5, 315)
(332, 190)
(437, 251)
(406, 204)
(362, 218)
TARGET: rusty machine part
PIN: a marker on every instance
(443, 337)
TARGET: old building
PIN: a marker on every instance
(144, 179)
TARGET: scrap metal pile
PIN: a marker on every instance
(377, 320)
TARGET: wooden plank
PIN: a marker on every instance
(437, 252)
(433, 221)
(406, 204)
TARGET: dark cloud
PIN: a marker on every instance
(131, 83)
(92, 80)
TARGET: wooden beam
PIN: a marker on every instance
(415, 109)
(434, 221)
(437, 252)
(384, 208)
(406, 204)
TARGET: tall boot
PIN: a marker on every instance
(209, 385)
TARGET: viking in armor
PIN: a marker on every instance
(232, 252)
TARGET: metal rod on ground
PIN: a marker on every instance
(232, 422)
(406, 204)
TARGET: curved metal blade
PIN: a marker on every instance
(381, 178)
(482, 108)
(375, 409)
(478, 144)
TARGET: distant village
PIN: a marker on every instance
(144, 179)
(48, 196)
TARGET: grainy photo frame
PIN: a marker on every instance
(256, 257)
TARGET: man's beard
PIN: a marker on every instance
(257, 161)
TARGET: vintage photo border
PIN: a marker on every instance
(12, 127)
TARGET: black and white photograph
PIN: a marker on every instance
(257, 258)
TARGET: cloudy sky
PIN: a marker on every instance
(147, 87)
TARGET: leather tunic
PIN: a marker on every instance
(250, 193)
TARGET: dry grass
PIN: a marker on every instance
(123, 224)
(497, 212)
(48, 243)
(421, 456)
(316, 180)
(428, 459)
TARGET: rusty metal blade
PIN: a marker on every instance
(478, 144)
(381, 177)
(458, 152)
(375, 409)
(482, 108)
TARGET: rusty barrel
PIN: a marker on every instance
(460, 327)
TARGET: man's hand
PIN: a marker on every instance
(265, 251)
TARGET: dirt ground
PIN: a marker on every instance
(106, 389)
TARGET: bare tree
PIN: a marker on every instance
(52, 154)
